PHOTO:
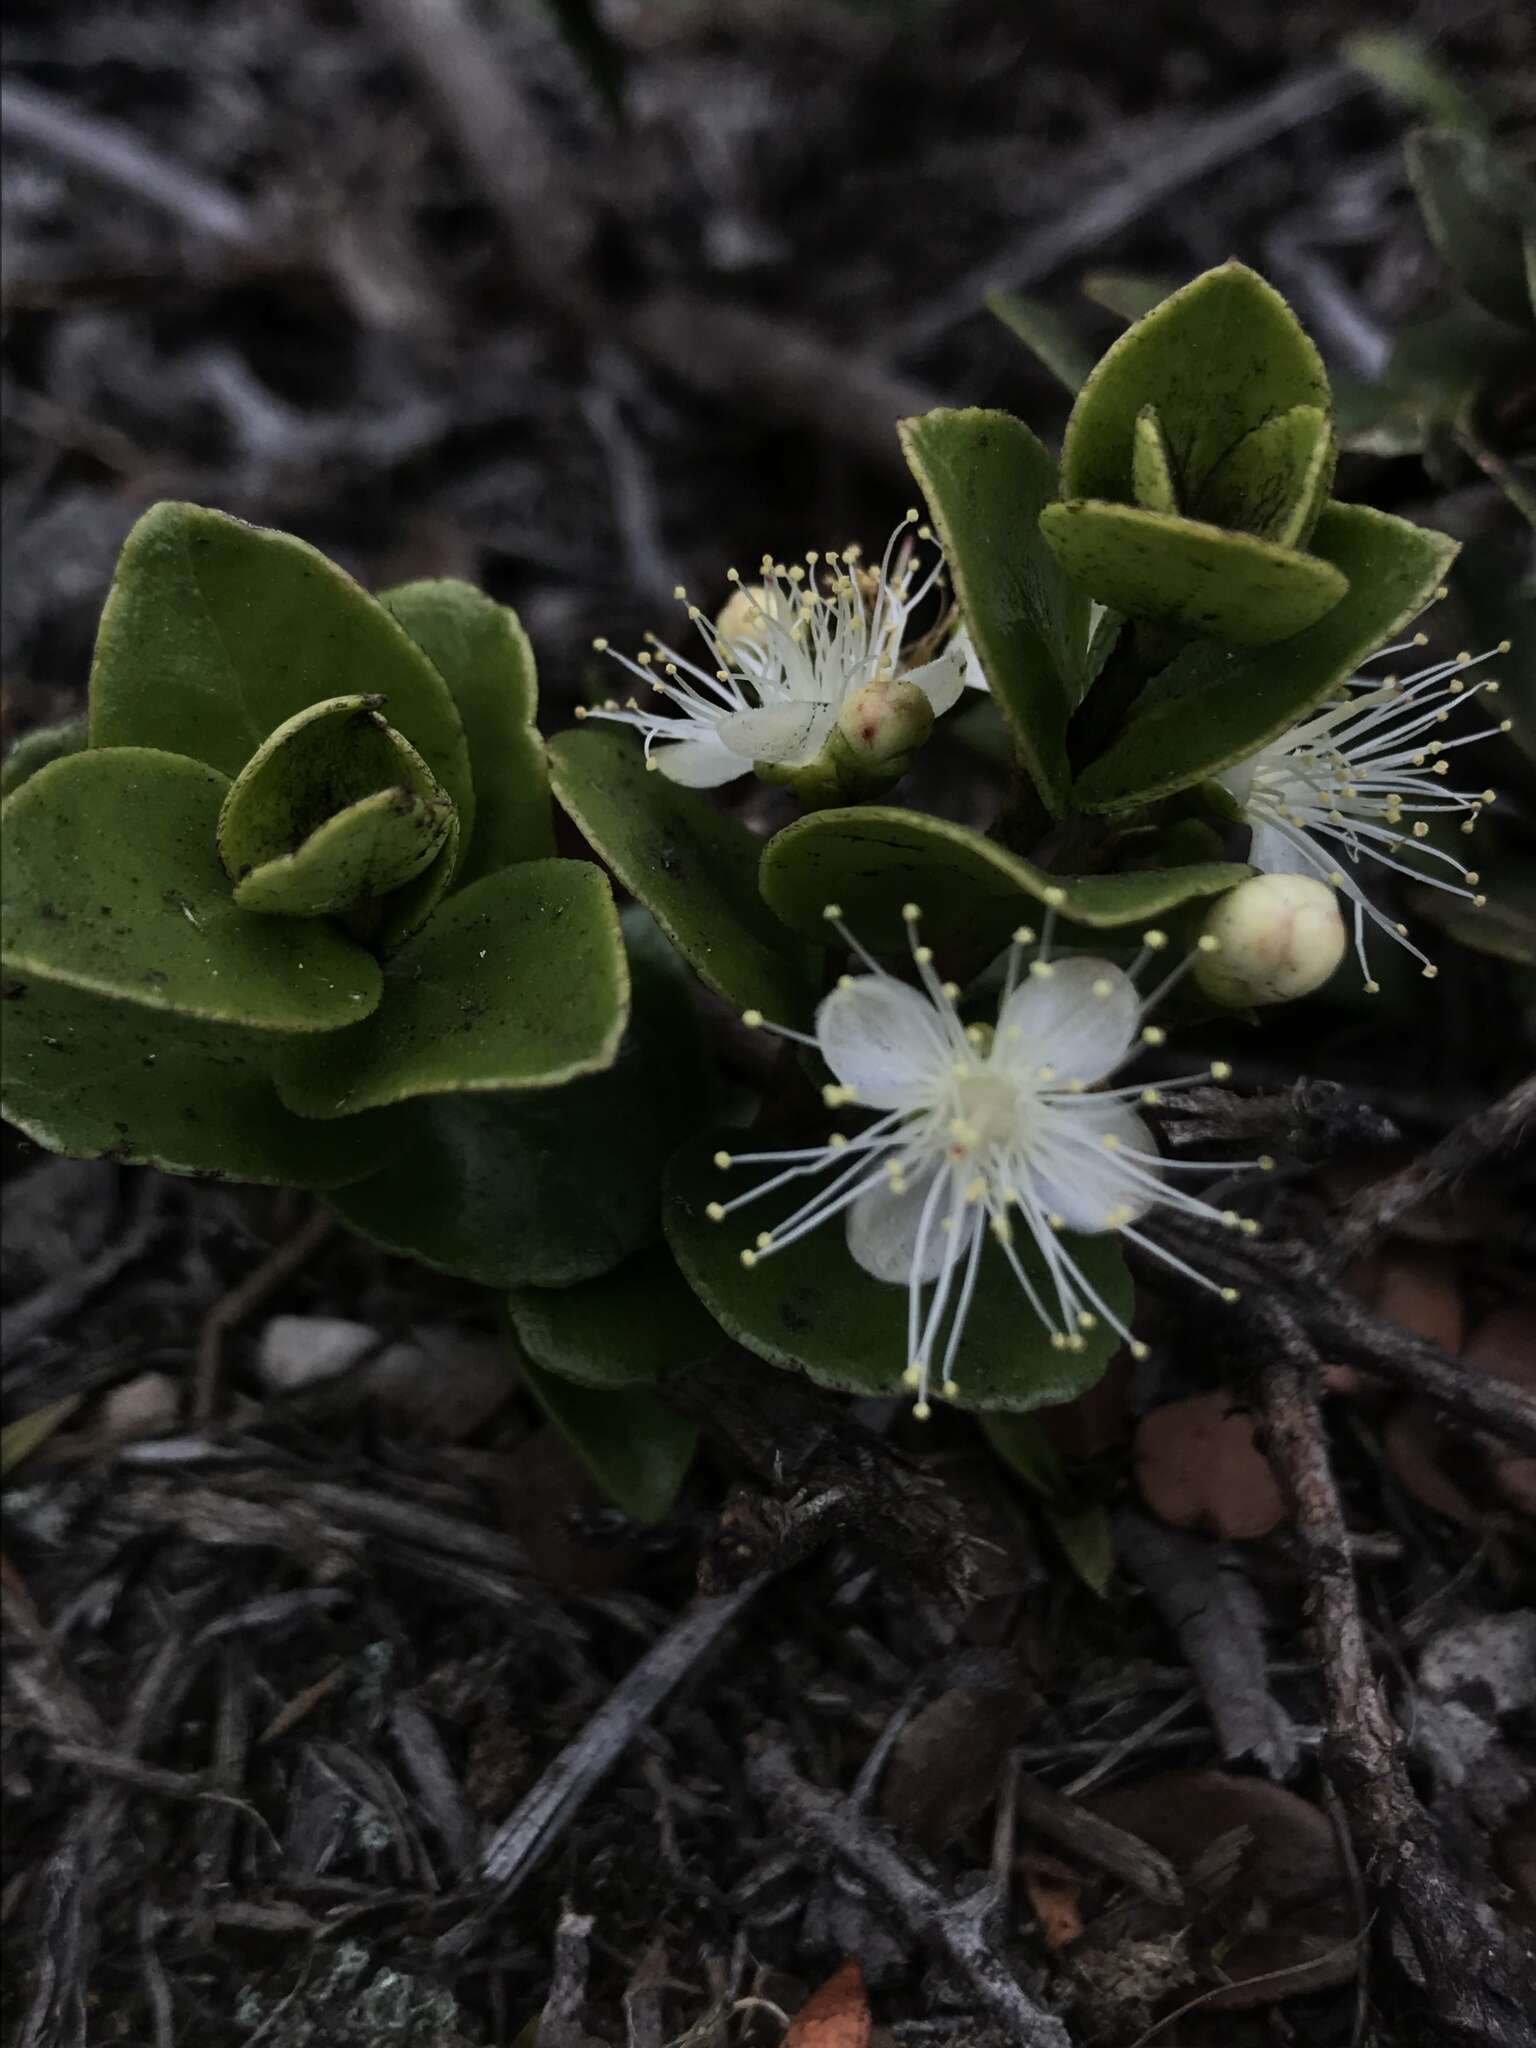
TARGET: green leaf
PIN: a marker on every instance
(98, 1079)
(1215, 705)
(112, 883)
(37, 748)
(215, 633)
(692, 867)
(28, 1433)
(1023, 1445)
(873, 859)
(519, 981)
(1126, 293)
(1275, 481)
(1045, 334)
(1202, 579)
(1086, 1540)
(635, 1446)
(986, 478)
(332, 810)
(1217, 359)
(1403, 68)
(1152, 482)
(556, 1186)
(810, 1306)
(483, 654)
(623, 1330)
(1476, 208)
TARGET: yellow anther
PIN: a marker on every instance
(1430, 971)
(1140, 1350)
(600, 644)
(923, 955)
(950, 1390)
(1153, 1034)
(921, 1411)
(1055, 897)
(1023, 936)
(911, 912)
(1042, 969)
(952, 990)
(715, 1212)
(1373, 988)
(1103, 989)
(837, 1142)
(1230, 1294)
(1265, 1163)
(1154, 940)
(1151, 1098)
(749, 1259)
(1208, 943)
(753, 1019)
(764, 1240)
(1110, 1142)
(1221, 1070)
(831, 910)
(722, 1160)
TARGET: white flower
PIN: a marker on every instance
(784, 657)
(983, 1130)
(1352, 775)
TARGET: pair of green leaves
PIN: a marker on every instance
(1192, 494)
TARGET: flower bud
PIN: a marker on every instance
(885, 721)
(1278, 937)
(743, 618)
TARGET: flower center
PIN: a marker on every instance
(987, 1111)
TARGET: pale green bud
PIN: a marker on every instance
(1277, 937)
(885, 722)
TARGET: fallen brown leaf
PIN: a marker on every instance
(945, 1767)
(1198, 1467)
(1057, 1907)
(836, 2016)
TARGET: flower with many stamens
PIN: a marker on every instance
(785, 659)
(984, 1131)
(1362, 777)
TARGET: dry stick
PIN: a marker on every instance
(724, 352)
(1465, 1988)
(1091, 1839)
(118, 157)
(258, 1286)
(953, 1931)
(39, 1313)
(1202, 148)
(529, 1833)
(1501, 1127)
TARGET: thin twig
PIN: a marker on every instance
(531, 1831)
(117, 157)
(1202, 148)
(953, 1931)
(44, 1310)
(1465, 1986)
(258, 1286)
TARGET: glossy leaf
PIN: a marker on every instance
(986, 478)
(810, 1306)
(112, 883)
(554, 1186)
(1202, 579)
(484, 656)
(1215, 705)
(1476, 209)
(37, 748)
(873, 859)
(1217, 359)
(692, 867)
(1275, 481)
(1045, 334)
(333, 809)
(518, 982)
(215, 632)
(623, 1330)
(635, 1446)
(98, 1079)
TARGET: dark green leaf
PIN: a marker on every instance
(37, 748)
(1181, 572)
(986, 478)
(873, 859)
(1402, 67)
(1215, 705)
(216, 632)
(95, 1079)
(1045, 334)
(635, 1446)
(1216, 359)
(518, 982)
(484, 656)
(811, 1306)
(1275, 481)
(1476, 208)
(692, 867)
(112, 883)
(623, 1330)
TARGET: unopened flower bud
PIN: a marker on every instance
(1278, 937)
(885, 721)
(743, 618)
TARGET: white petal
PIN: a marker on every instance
(883, 1040)
(698, 764)
(941, 681)
(1076, 1176)
(1058, 1020)
(1273, 852)
(882, 1231)
(791, 733)
(975, 674)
